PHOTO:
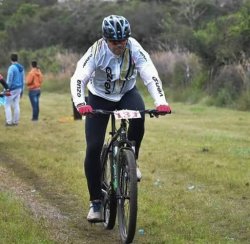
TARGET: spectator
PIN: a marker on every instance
(15, 81)
(34, 80)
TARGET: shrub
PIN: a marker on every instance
(178, 69)
(243, 103)
(223, 98)
(229, 78)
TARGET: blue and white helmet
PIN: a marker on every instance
(116, 28)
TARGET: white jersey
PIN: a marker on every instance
(110, 76)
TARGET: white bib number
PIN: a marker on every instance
(127, 114)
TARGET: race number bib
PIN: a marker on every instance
(127, 114)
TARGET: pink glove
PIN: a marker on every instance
(84, 109)
(163, 109)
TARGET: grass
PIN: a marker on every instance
(16, 224)
(195, 166)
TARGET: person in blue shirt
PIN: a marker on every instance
(15, 81)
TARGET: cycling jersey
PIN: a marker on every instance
(110, 76)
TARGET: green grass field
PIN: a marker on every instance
(195, 165)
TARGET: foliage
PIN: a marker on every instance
(224, 39)
(243, 102)
(216, 31)
(46, 58)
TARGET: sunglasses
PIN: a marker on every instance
(115, 42)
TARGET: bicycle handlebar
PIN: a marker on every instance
(151, 112)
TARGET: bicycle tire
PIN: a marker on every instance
(109, 196)
(127, 203)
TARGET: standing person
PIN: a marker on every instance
(34, 80)
(109, 69)
(15, 81)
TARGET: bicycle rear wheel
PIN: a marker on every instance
(127, 203)
(109, 196)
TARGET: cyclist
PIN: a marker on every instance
(109, 69)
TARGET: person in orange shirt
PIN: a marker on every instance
(34, 80)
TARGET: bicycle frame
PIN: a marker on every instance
(118, 141)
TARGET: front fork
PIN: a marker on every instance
(115, 169)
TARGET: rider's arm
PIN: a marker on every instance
(154, 86)
(85, 68)
(149, 75)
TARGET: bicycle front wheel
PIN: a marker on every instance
(127, 202)
(109, 197)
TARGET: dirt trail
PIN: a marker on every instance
(64, 220)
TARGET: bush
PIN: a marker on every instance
(187, 95)
(223, 98)
(56, 83)
(231, 78)
(243, 103)
(178, 69)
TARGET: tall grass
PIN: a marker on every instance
(195, 166)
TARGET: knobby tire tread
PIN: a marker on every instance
(109, 200)
(127, 223)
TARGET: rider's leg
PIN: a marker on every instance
(95, 129)
(132, 100)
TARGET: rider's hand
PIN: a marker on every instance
(163, 109)
(84, 109)
(7, 93)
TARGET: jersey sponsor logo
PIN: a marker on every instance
(143, 55)
(79, 88)
(107, 84)
(157, 83)
(86, 61)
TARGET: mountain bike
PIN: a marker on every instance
(119, 178)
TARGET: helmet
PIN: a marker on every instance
(115, 27)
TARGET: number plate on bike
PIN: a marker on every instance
(127, 114)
